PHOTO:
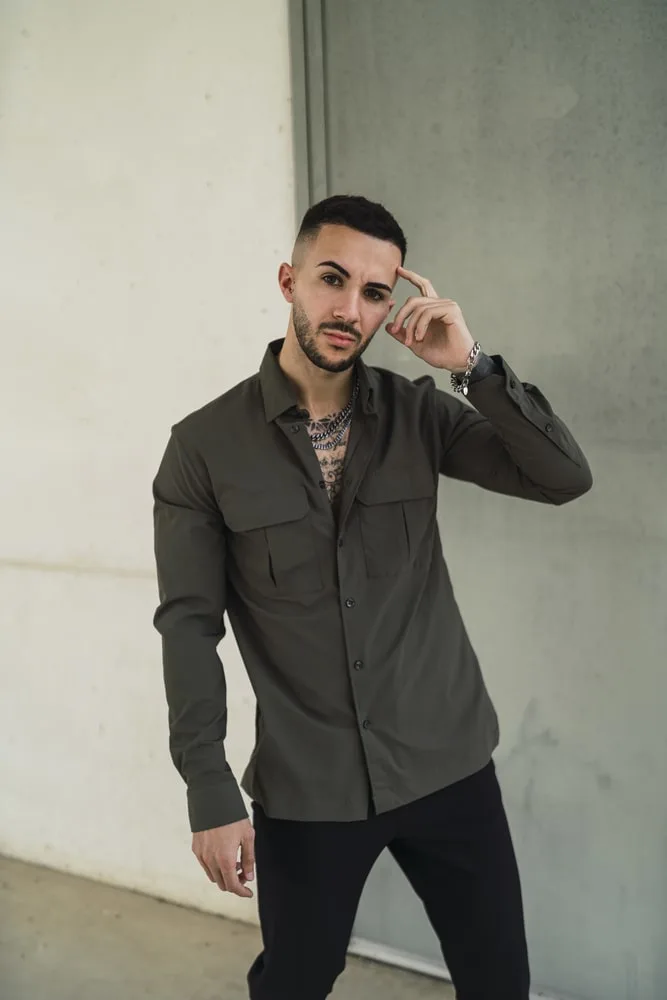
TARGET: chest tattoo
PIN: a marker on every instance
(331, 461)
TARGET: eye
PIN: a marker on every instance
(335, 279)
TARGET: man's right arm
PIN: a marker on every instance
(190, 557)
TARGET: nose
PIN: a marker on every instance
(347, 309)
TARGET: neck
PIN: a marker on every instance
(320, 392)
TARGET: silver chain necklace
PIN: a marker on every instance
(336, 428)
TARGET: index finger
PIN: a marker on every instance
(423, 284)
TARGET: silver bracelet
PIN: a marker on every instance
(460, 382)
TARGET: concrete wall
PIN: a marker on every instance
(524, 148)
(147, 201)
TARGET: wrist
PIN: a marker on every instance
(461, 364)
(461, 369)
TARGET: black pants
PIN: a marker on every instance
(455, 848)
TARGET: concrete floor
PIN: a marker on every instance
(66, 938)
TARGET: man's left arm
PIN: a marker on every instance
(512, 442)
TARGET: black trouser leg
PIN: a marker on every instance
(456, 850)
(309, 881)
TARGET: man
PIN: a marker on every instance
(302, 502)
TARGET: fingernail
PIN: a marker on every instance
(250, 876)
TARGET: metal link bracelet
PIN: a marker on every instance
(460, 382)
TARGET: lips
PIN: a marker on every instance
(343, 339)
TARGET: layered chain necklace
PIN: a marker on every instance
(336, 428)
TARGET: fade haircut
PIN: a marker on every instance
(355, 212)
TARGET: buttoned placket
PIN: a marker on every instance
(351, 585)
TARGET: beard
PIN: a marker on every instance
(307, 340)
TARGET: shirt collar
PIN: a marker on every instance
(279, 394)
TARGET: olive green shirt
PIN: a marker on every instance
(369, 694)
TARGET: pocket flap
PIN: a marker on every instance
(384, 488)
(247, 511)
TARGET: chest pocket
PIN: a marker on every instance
(396, 519)
(272, 542)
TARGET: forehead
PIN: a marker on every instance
(365, 257)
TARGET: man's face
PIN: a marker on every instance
(341, 294)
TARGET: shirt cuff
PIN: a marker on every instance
(485, 366)
(215, 805)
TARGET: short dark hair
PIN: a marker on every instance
(356, 212)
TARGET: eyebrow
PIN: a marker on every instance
(369, 284)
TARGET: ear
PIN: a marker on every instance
(286, 278)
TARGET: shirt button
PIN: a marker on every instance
(350, 603)
(340, 543)
(549, 428)
(358, 664)
(295, 428)
(323, 485)
(366, 724)
(512, 384)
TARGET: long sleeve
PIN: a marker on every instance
(511, 442)
(190, 558)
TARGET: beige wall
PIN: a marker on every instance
(147, 201)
